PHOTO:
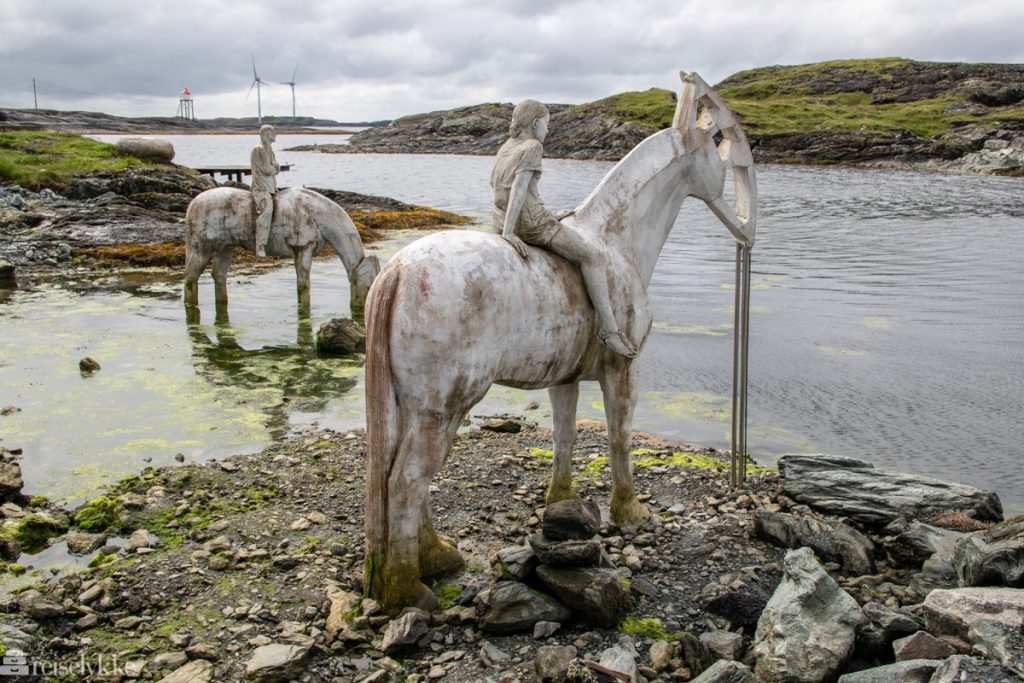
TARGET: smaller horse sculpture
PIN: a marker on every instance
(219, 219)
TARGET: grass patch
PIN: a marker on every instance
(100, 560)
(48, 159)
(542, 455)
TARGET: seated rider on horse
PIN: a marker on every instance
(520, 216)
(264, 186)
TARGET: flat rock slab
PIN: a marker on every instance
(853, 488)
(910, 671)
(196, 671)
(724, 671)
(921, 645)
(276, 662)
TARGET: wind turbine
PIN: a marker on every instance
(257, 82)
(292, 83)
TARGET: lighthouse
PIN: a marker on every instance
(186, 107)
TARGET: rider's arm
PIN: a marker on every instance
(516, 201)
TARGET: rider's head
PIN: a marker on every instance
(268, 134)
(525, 115)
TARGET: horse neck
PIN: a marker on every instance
(341, 233)
(635, 206)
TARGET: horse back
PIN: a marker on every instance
(468, 306)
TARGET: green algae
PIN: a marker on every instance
(876, 322)
(696, 461)
(97, 515)
(708, 330)
(834, 351)
(691, 406)
(592, 470)
(33, 531)
(446, 594)
(542, 454)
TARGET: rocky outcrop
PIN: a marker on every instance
(848, 487)
(589, 131)
(341, 337)
(807, 630)
(511, 607)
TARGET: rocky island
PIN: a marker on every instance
(871, 112)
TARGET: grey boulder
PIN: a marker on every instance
(991, 619)
(571, 519)
(807, 630)
(149, 149)
(833, 542)
(510, 607)
(276, 662)
(405, 631)
(991, 558)
(599, 596)
(910, 671)
(884, 626)
(724, 671)
(962, 669)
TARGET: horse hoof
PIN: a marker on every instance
(440, 558)
(630, 516)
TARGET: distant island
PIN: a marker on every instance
(878, 112)
(893, 112)
(85, 122)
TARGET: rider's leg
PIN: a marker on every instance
(264, 217)
(581, 250)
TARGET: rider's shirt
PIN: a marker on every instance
(264, 170)
(536, 224)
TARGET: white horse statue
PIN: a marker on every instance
(219, 219)
(458, 311)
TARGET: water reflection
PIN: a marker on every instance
(287, 377)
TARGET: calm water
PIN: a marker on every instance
(887, 323)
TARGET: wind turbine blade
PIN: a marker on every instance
(293, 74)
(250, 90)
(254, 74)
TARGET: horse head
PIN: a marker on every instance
(360, 279)
(701, 117)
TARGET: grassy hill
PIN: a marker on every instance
(876, 96)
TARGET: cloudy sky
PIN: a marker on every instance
(375, 59)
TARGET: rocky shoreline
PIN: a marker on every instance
(136, 218)
(251, 568)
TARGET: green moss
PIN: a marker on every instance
(12, 568)
(626, 585)
(3, 648)
(39, 159)
(38, 501)
(98, 514)
(32, 531)
(446, 595)
(100, 560)
(646, 627)
(592, 470)
(542, 454)
(696, 461)
(476, 567)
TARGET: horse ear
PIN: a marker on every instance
(688, 104)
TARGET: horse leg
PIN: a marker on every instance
(563, 408)
(421, 454)
(438, 554)
(619, 388)
(303, 264)
(195, 264)
(221, 263)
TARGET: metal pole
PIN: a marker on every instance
(35, 97)
(734, 463)
(740, 364)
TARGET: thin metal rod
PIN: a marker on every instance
(745, 362)
(734, 463)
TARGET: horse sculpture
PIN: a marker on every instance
(219, 219)
(458, 311)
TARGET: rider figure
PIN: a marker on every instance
(264, 185)
(520, 216)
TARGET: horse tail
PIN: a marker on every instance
(382, 426)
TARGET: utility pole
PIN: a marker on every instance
(35, 97)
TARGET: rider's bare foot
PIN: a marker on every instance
(617, 342)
